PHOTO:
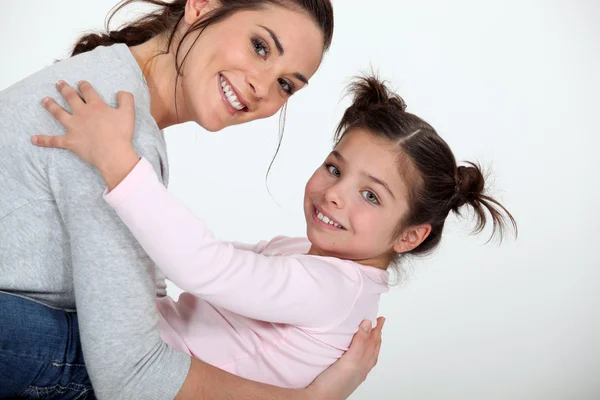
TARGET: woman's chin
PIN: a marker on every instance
(211, 124)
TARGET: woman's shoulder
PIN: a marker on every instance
(109, 70)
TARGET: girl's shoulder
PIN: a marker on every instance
(286, 246)
(297, 247)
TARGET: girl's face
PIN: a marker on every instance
(246, 66)
(355, 200)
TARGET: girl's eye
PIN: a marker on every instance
(286, 86)
(260, 47)
(370, 196)
(333, 170)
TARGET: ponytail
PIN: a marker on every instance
(470, 191)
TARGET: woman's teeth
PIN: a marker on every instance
(327, 220)
(230, 94)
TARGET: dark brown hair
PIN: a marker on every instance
(169, 14)
(437, 185)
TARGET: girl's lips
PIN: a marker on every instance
(327, 225)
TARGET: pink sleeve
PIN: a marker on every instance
(303, 290)
(255, 248)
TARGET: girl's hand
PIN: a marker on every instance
(99, 134)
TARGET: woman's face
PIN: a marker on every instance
(246, 66)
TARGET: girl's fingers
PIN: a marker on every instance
(56, 110)
(58, 142)
(88, 92)
(124, 100)
(70, 95)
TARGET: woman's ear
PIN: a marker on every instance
(196, 9)
(411, 238)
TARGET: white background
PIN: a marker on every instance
(513, 84)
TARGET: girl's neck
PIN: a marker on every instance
(160, 73)
(381, 262)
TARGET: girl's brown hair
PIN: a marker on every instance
(437, 185)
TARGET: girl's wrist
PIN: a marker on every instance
(117, 168)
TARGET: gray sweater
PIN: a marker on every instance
(62, 245)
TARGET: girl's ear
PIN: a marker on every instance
(411, 238)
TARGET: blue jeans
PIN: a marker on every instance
(40, 352)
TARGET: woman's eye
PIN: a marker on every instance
(370, 196)
(285, 85)
(260, 47)
(333, 170)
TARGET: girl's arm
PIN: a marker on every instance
(303, 291)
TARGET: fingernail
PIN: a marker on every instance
(34, 139)
(365, 325)
(80, 83)
(45, 100)
(60, 83)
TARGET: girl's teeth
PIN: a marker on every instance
(327, 220)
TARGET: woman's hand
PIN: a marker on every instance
(346, 374)
(98, 133)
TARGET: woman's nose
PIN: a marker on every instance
(258, 85)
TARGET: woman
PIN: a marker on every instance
(215, 63)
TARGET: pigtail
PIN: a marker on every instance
(470, 190)
(370, 97)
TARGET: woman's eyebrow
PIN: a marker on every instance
(281, 51)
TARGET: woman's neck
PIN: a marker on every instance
(160, 73)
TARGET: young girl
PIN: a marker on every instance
(283, 310)
(213, 62)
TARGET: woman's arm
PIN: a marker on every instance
(337, 382)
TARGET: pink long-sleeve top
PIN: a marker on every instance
(266, 312)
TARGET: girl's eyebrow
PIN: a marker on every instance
(378, 181)
(382, 183)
